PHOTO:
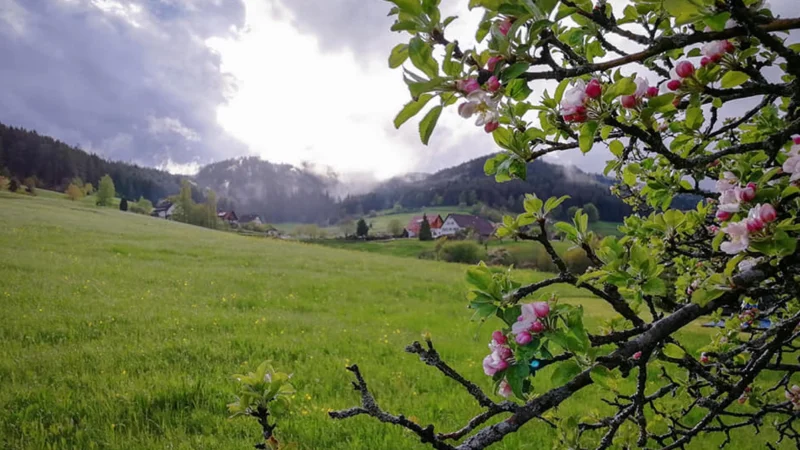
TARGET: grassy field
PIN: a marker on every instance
(121, 331)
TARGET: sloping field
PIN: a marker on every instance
(121, 332)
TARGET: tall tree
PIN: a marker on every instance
(425, 229)
(592, 212)
(184, 203)
(123, 204)
(362, 229)
(211, 209)
(105, 191)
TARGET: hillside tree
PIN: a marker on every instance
(211, 209)
(395, 227)
(123, 204)
(13, 185)
(590, 210)
(184, 203)
(362, 229)
(74, 192)
(425, 229)
(105, 191)
(667, 104)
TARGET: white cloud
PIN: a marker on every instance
(165, 125)
(179, 169)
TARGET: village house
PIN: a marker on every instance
(414, 225)
(164, 210)
(254, 219)
(229, 216)
(456, 223)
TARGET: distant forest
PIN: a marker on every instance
(282, 193)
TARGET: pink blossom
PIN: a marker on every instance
(491, 126)
(792, 166)
(704, 358)
(493, 363)
(466, 110)
(642, 86)
(652, 91)
(674, 85)
(754, 225)
(504, 389)
(499, 338)
(524, 338)
(684, 69)
(525, 322)
(492, 63)
(739, 238)
(574, 99)
(505, 26)
(728, 182)
(637, 356)
(793, 395)
(746, 194)
(628, 101)
(483, 105)
(724, 216)
(729, 201)
(594, 89)
(537, 327)
(493, 84)
(468, 86)
(796, 140)
(705, 60)
(767, 213)
(541, 309)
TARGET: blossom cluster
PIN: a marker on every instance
(732, 197)
(481, 102)
(793, 395)
(530, 322)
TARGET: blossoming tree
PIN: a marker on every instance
(691, 97)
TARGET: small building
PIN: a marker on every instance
(229, 216)
(164, 210)
(414, 225)
(456, 223)
(254, 219)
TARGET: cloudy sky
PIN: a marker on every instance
(180, 83)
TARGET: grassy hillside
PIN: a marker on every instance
(121, 331)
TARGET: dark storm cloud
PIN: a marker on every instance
(131, 81)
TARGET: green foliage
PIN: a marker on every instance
(592, 212)
(73, 192)
(425, 229)
(142, 206)
(105, 191)
(466, 252)
(362, 229)
(395, 227)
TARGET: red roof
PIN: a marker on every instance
(416, 222)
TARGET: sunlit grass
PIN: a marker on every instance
(121, 331)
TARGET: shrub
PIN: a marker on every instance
(362, 229)
(467, 252)
(395, 227)
(592, 212)
(3, 183)
(123, 204)
(143, 206)
(105, 192)
(500, 256)
(13, 185)
(30, 185)
(74, 192)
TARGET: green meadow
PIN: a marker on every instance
(121, 331)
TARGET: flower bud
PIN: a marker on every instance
(594, 89)
(754, 225)
(493, 84)
(492, 63)
(684, 69)
(723, 216)
(705, 61)
(502, 365)
(537, 327)
(542, 309)
(468, 86)
(728, 46)
(505, 26)
(674, 85)
(652, 91)
(768, 213)
(628, 101)
(504, 353)
(748, 193)
(491, 126)
(704, 359)
(796, 140)
(637, 356)
(499, 337)
(524, 338)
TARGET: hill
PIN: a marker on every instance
(466, 185)
(129, 333)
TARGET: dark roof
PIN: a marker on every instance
(249, 218)
(162, 206)
(479, 224)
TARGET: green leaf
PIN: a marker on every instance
(480, 277)
(625, 86)
(654, 286)
(694, 118)
(451, 67)
(398, 56)
(518, 89)
(422, 57)
(532, 204)
(562, 86)
(717, 21)
(482, 310)
(605, 132)
(604, 377)
(515, 376)
(411, 109)
(588, 131)
(616, 148)
(733, 78)
(553, 203)
(673, 351)
(514, 71)
(409, 6)
(662, 101)
(428, 123)
(565, 372)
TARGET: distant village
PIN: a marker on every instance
(452, 225)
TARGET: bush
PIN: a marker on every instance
(143, 206)
(395, 227)
(74, 192)
(30, 185)
(3, 183)
(466, 252)
(123, 204)
(13, 185)
(500, 257)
